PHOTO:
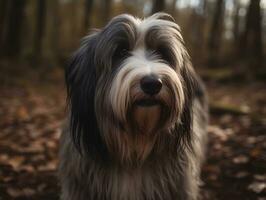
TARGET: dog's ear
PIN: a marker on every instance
(193, 88)
(81, 82)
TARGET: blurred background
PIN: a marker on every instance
(227, 43)
(217, 32)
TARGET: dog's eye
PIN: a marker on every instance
(165, 54)
(121, 52)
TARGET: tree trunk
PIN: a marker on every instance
(51, 41)
(251, 44)
(12, 37)
(158, 5)
(173, 10)
(40, 25)
(107, 7)
(87, 13)
(3, 9)
(204, 7)
(216, 32)
(197, 31)
(55, 30)
(236, 20)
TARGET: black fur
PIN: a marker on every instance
(81, 83)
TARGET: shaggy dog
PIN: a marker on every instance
(138, 115)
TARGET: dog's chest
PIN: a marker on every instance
(153, 183)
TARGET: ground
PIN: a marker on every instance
(32, 109)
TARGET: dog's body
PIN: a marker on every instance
(138, 118)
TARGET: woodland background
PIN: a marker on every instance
(226, 40)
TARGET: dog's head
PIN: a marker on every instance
(130, 87)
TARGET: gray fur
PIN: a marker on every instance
(101, 160)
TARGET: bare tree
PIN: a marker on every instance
(158, 5)
(173, 10)
(216, 32)
(13, 26)
(51, 40)
(106, 13)
(3, 9)
(87, 13)
(198, 19)
(236, 20)
(251, 43)
(40, 25)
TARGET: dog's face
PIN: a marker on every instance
(131, 87)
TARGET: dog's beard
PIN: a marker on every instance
(146, 118)
(148, 115)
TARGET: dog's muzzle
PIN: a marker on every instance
(150, 85)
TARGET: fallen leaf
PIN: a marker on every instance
(22, 113)
(14, 192)
(260, 177)
(241, 174)
(242, 159)
(256, 152)
(257, 187)
(16, 162)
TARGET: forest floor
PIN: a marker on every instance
(32, 109)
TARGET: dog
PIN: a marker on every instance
(138, 115)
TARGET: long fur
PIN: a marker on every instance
(112, 148)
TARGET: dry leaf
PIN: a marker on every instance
(241, 174)
(16, 162)
(256, 152)
(242, 159)
(257, 187)
(14, 192)
(260, 177)
(22, 113)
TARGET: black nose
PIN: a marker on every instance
(151, 84)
